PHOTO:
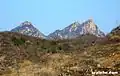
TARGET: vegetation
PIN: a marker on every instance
(40, 57)
(17, 41)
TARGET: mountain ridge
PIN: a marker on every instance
(73, 30)
(76, 29)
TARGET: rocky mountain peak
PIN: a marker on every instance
(76, 29)
(27, 28)
(76, 23)
(90, 20)
(26, 23)
(90, 26)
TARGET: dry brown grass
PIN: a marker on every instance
(38, 57)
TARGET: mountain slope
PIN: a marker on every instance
(31, 56)
(76, 29)
(116, 30)
(114, 35)
(27, 28)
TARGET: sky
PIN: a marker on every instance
(50, 15)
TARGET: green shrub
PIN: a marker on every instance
(53, 43)
(59, 48)
(114, 38)
(53, 49)
(18, 41)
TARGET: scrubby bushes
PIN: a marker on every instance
(114, 38)
(18, 41)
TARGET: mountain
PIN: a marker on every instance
(114, 35)
(116, 31)
(27, 28)
(76, 29)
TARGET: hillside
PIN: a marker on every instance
(22, 55)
